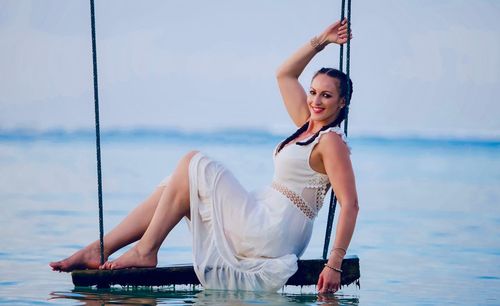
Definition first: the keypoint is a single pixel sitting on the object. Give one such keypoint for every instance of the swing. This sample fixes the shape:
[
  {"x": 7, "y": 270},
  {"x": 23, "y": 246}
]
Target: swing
[{"x": 308, "y": 270}]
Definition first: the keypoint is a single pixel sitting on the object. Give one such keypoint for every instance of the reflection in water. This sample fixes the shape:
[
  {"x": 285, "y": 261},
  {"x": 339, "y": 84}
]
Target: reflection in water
[
  {"x": 129, "y": 296},
  {"x": 190, "y": 295}
]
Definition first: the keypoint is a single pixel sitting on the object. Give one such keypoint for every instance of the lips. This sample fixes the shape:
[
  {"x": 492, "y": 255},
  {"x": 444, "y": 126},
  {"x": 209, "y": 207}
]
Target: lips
[{"x": 317, "y": 110}]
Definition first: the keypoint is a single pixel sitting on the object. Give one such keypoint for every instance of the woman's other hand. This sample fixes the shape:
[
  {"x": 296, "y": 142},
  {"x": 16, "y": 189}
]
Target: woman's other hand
[{"x": 329, "y": 281}]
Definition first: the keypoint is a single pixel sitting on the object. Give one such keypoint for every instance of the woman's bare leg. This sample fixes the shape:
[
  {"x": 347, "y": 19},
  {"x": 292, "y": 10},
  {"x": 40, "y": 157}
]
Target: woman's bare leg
[
  {"x": 129, "y": 230},
  {"x": 173, "y": 205}
]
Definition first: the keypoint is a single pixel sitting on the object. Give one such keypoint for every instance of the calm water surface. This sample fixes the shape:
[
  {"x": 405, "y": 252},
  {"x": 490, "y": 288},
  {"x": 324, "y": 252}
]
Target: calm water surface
[{"x": 428, "y": 231}]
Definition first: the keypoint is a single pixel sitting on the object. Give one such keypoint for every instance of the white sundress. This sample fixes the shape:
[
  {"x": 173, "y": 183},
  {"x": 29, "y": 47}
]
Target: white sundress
[{"x": 252, "y": 240}]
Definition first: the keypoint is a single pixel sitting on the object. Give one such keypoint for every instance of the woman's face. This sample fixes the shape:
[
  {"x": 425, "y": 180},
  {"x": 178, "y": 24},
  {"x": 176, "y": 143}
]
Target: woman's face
[{"x": 324, "y": 99}]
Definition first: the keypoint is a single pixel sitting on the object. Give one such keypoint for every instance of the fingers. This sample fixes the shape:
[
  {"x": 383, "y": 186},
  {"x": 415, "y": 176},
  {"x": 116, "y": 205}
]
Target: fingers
[
  {"x": 320, "y": 283},
  {"x": 343, "y": 30},
  {"x": 342, "y": 22},
  {"x": 342, "y": 33},
  {"x": 329, "y": 289},
  {"x": 339, "y": 24},
  {"x": 328, "y": 283},
  {"x": 343, "y": 39},
  {"x": 344, "y": 36}
]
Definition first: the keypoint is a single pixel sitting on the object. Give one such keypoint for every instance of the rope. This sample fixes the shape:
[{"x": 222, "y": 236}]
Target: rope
[
  {"x": 348, "y": 65},
  {"x": 97, "y": 132},
  {"x": 341, "y": 53},
  {"x": 333, "y": 198}
]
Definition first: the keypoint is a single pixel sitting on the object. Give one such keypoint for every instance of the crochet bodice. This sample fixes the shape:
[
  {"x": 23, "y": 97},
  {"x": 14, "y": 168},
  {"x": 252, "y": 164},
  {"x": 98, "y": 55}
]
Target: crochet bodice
[{"x": 295, "y": 179}]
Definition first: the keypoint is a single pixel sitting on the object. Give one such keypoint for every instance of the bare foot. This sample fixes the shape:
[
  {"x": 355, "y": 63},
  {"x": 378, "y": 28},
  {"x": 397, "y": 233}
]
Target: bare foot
[
  {"x": 133, "y": 258},
  {"x": 87, "y": 258}
]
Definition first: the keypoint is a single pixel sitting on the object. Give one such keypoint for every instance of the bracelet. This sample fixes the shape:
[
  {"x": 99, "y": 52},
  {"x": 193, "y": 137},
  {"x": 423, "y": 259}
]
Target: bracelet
[
  {"x": 316, "y": 44},
  {"x": 333, "y": 268}
]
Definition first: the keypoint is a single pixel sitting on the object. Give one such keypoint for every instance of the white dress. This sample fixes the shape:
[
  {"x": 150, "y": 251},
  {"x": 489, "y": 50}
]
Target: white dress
[{"x": 251, "y": 240}]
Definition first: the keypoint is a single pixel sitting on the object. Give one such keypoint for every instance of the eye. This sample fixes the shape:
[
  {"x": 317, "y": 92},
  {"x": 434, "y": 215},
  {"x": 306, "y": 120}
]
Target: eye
[
  {"x": 312, "y": 92},
  {"x": 327, "y": 95}
]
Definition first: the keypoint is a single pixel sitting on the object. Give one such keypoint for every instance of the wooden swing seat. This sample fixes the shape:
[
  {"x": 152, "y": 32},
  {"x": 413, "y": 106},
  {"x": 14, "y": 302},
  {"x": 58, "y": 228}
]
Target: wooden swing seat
[{"x": 307, "y": 274}]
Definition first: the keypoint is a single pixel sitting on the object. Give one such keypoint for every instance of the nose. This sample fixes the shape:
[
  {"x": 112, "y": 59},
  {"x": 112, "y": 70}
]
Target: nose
[{"x": 316, "y": 100}]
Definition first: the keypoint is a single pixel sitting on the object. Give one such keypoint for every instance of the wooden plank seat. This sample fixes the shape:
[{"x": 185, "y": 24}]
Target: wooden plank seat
[{"x": 307, "y": 274}]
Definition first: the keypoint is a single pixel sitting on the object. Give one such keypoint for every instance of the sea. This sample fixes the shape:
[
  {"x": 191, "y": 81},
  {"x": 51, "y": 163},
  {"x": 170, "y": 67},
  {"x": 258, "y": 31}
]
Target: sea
[{"x": 427, "y": 233}]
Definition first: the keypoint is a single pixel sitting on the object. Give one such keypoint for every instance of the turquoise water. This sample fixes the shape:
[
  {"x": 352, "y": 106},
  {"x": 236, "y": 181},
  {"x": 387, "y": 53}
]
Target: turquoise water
[{"x": 428, "y": 230}]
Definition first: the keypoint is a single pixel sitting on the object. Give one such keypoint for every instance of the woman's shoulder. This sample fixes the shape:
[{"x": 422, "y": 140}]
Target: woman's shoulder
[{"x": 333, "y": 139}]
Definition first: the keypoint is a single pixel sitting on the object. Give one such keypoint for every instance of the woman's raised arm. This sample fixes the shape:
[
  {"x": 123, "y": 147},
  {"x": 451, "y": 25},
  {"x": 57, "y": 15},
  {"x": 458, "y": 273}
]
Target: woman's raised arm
[{"x": 288, "y": 73}]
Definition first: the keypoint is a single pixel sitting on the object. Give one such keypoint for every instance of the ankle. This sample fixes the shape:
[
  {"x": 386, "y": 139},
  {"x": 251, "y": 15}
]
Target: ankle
[
  {"x": 146, "y": 251},
  {"x": 95, "y": 248}
]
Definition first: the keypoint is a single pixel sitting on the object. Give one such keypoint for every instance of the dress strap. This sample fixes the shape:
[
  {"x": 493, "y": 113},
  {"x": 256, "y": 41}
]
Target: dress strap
[{"x": 334, "y": 129}]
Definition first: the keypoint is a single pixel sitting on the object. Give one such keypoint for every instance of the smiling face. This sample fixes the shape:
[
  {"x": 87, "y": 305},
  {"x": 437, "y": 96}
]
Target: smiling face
[{"x": 324, "y": 99}]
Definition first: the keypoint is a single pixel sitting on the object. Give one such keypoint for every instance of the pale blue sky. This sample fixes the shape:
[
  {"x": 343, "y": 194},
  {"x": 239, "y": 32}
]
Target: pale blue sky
[{"x": 419, "y": 67}]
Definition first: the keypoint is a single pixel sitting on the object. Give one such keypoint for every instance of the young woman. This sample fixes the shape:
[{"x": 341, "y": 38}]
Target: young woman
[{"x": 252, "y": 240}]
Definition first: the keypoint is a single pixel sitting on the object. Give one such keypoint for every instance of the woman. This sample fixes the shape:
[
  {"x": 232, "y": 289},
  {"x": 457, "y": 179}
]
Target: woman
[{"x": 251, "y": 241}]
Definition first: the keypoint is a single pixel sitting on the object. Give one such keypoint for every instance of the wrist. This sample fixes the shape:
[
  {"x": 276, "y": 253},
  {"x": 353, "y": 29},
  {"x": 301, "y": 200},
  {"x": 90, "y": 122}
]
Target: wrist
[
  {"x": 319, "y": 42},
  {"x": 323, "y": 38},
  {"x": 336, "y": 256},
  {"x": 338, "y": 252},
  {"x": 334, "y": 261},
  {"x": 334, "y": 268}
]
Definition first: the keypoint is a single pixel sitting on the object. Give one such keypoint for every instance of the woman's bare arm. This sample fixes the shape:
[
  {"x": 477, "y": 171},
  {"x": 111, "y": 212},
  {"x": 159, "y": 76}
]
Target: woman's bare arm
[
  {"x": 337, "y": 163},
  {"x": 293, "y": 94}
]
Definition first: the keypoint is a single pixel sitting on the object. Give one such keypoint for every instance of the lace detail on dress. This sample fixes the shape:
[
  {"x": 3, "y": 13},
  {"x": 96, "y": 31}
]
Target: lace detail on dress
[
  {"x": 295, "y": 198},
  {"x": 319, "y": 185},
  {"x": 318, "y": 181}
]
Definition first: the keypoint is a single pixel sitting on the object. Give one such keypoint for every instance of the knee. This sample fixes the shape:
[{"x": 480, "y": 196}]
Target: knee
[
  {"x": 190, "y": 154},
  {"x": 187, "y": 157},
  {"x": 181, "y": 181},
  {"x": 183, "y": 164}
]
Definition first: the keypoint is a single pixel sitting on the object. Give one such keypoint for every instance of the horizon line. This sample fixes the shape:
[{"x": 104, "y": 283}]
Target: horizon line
[{"x": 226, "y": 134}]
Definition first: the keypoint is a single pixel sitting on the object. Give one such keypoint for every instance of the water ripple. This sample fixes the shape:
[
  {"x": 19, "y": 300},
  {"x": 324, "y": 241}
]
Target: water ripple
[
  {"x": 488, "y": 277},
  {"x": 8, "y": 283}
]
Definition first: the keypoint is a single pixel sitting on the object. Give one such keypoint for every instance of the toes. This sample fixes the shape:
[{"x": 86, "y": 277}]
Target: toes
[
  {"x": 108, "y": 265},
  {"x": 111, "y": 265},
  {"x": 58, "y": 266},
  {"x": 55, "y": 264}
]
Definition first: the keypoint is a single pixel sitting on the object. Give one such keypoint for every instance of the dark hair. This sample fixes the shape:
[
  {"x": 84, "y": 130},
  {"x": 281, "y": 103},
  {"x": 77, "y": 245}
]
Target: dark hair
[{"x": 345, "y": 86}]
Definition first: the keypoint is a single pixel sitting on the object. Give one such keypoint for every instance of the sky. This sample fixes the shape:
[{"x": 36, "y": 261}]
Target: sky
[{"x": 419, "y": 67}]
